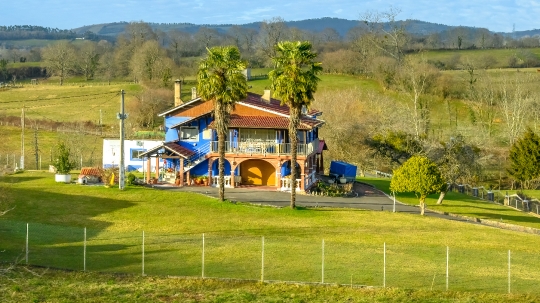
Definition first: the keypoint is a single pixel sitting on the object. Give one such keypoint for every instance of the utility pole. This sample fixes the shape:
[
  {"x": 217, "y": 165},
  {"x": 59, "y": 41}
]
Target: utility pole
[
  {"x": 100, "y": 122},
  {"x": 22, "y": 138},
  {"x": 36, "y": 147},
  {"x": 121, "y": 116}
]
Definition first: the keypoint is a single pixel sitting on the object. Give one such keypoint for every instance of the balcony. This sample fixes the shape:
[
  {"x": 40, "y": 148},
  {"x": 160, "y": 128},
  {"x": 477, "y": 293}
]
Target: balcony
[{"x": 254, "y": 147}]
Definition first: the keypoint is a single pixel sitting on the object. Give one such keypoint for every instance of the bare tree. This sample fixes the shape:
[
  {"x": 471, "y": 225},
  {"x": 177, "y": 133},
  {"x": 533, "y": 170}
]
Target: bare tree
[
  {"x": 272, "y": 31},
  {"x": 106, "y": 68},
  {"x": 88, "y": 59},
  {"x": 144, "y": 107},
  {"x": 515, "y": 102},
  {"x": 139, "y": 32},
  {"x": 386, "y": 34},
  {"x": 206, "y": 37},
  {"x": 415, "y": 79},
  {"x": 60, "y": 59},
  {"x": 148, "y": 63}
]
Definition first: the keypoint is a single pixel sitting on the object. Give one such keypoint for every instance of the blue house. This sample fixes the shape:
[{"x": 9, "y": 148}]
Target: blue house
[{"x": 258, "y": 151}]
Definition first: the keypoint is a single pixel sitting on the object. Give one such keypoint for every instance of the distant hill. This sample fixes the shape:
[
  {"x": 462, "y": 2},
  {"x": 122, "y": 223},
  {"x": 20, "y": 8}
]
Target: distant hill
[
  {"x": 110, "y": 31},
  {"x": 342, "y": 26}
]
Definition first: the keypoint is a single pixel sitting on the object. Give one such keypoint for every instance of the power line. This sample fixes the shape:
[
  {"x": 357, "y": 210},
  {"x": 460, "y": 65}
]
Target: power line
[
  {"x": 54, "y": 104},
  {"x": 56, "y": 98},
  {"x": 77, "y": 113}
]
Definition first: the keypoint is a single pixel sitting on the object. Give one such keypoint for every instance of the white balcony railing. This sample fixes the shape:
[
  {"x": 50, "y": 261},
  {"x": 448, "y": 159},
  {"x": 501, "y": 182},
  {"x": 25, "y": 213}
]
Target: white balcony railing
[
  {"x": 286, "y": 184},
  {"x": 227, "y": 180},
  {"x": 265, "y": 148}
]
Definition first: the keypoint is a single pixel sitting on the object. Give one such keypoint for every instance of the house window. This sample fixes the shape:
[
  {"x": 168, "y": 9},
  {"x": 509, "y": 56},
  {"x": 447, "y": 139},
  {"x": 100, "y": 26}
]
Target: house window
[
  {"x": 189, "y": 133},
  {"x": 134, "y": 154}
]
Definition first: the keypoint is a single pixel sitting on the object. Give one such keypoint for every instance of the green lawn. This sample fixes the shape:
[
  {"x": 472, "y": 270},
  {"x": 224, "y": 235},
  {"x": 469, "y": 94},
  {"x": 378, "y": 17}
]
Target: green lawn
[
  {"x": 465, "y": 205},
  {"x": 58, "y": 286},
  {"x": 174, "y": 224}
]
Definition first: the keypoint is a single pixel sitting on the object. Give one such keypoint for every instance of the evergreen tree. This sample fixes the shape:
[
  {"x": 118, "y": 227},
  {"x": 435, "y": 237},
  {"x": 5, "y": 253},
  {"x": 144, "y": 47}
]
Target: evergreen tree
[{"x": 525, "y": 159}]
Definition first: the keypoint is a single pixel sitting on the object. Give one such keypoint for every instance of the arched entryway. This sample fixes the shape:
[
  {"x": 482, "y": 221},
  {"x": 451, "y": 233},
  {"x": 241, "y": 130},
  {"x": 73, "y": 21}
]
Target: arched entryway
[
  {"x": 286, "y": 169},
  {"x": 258, "y": 172},
  {"x": 215, "y": 167}
]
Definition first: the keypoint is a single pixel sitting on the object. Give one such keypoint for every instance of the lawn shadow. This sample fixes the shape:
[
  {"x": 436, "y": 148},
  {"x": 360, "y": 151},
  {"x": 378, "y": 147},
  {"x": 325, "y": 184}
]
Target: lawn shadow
[{"x": 8, "y": 180}]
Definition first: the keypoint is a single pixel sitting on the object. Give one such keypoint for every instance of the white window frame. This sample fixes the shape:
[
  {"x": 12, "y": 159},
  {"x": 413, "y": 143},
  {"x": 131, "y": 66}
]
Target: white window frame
[{"x": 191, "y": 138}]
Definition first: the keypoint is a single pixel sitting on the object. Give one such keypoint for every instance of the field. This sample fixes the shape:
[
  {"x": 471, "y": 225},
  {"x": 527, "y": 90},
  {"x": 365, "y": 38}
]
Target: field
[
  {"x": 174, "y": 223},
  {"x": 501, "y": 56}
]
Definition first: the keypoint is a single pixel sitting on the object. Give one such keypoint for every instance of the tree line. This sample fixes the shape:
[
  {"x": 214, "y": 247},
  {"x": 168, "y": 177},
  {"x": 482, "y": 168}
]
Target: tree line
[{"x": 23, "y": 32}]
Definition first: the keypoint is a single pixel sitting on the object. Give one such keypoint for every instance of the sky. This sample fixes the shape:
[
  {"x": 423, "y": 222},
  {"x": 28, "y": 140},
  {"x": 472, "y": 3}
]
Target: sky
[{"x": 495, "y": 15}]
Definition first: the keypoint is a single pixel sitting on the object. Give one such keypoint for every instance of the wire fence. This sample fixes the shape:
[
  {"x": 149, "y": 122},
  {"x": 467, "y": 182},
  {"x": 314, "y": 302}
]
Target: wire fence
[
  {"x": 499, "y": 196},
  {"x": 341, "y": 260},
  {"x": 14, "y": 161},
  {"x": 503, "y": 197}
]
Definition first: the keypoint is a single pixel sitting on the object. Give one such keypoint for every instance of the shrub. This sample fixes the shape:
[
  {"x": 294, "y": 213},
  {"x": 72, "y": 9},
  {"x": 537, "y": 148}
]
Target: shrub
[
  {"x": 131, "y": 179},
  {"x": 63, "y": 163}
]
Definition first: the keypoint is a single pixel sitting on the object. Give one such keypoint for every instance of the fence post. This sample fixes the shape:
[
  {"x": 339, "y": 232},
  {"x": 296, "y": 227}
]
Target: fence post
[
  {"x": 203, "y": 256},
  {"x": 322, "y": 263},
  {"x": 447, "y": 263},
  {"x": 26, "y": 255},
  {"x": 384, "y": 266},
  {"x": 143, "y": 253},
  {"x": 509, "y": 271},
  {"x": 84, "y": 251},
  {"x": 262, "y": 261}
]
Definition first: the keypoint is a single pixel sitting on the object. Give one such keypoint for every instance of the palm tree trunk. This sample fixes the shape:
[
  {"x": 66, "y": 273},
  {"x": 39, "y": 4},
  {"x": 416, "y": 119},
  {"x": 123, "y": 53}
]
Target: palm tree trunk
[
  {"x": 294, "y": 120},
  {"x": 221, "y": 129},
  {"x": 221, "y": 151}
]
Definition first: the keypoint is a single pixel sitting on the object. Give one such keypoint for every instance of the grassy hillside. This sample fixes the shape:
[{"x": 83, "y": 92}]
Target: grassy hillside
[
  {"x": 478, "y": 56},
  {"x": 174, "y": 222}
]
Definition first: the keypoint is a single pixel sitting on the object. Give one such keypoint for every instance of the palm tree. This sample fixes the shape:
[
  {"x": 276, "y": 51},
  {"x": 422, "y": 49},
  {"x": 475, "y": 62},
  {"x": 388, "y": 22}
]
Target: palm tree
[
  {"x": 221, "y": 81},
  {"x": 294, "y": 81}
]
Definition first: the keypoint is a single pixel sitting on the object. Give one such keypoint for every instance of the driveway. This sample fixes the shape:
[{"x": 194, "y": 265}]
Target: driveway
[{"x": 367, "y": 199}]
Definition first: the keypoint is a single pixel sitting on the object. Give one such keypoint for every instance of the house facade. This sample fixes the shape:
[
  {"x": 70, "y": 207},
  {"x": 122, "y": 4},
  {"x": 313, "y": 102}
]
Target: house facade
[
  {"x": 132, "y": 150},
  {"x": 258, "y": 149}
]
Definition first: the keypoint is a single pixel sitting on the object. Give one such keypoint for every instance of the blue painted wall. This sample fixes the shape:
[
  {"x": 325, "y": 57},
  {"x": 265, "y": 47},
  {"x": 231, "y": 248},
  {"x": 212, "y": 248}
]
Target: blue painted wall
[{"x": 172, "y": 134}]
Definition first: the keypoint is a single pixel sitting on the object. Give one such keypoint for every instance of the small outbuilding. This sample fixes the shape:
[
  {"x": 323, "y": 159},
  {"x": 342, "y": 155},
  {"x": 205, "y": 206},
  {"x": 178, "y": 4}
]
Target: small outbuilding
[{"x": 89, "y": 175}]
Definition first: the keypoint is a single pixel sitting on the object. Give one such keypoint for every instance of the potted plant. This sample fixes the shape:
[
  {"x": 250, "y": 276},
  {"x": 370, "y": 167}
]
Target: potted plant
[
  {"x": 205, "y": 180},
  {"x": 63, "y": 164}
]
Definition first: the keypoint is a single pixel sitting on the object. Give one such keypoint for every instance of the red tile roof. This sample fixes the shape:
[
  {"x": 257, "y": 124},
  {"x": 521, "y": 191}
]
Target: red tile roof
[
  {"x": 272, "y": 105},
  {"x": 252, "y": 99},
  {"x": 172, "y": 147},
  {"x": 268, "y": 122},
  {"x": 90, "y": 171},
  {"x": 178, "y": 149}
]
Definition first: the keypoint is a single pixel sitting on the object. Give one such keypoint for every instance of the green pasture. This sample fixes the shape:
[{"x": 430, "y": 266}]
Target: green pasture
[
  {"x": 476, "y": 56},
  {"x": 174, "y": 223},
  {"x": 88, "y": 146},
  {"x": 67, "y": 103},
  {"x": 461, "y": 204}
]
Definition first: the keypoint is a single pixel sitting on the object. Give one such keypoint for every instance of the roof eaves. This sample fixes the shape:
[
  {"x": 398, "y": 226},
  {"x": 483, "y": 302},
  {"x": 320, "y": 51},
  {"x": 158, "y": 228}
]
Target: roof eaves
[
  {"x": 262, "y": 109},
  {"x": 189, "y": 120},
  {"x": 179, "y": 107}
]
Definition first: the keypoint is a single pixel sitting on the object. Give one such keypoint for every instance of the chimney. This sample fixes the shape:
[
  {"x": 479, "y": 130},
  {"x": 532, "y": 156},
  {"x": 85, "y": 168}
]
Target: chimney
[
  {"x": 266, "y": 96},
  {"x": 177, "y": 90},
  {"x": 193, "y": 93}
]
